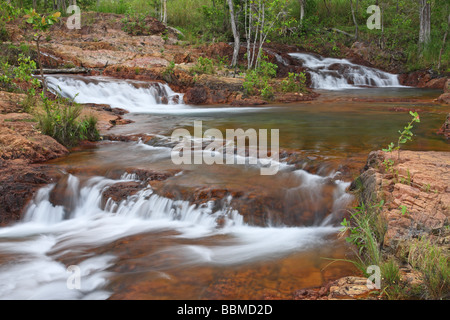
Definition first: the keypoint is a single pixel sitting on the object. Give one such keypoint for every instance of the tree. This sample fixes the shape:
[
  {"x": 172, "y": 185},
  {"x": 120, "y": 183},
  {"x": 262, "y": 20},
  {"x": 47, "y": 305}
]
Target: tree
[
  {"x": 40, "y": 24},
  {"x": 443, "y": 43},
  {"x": 302, "y": 11},
  {"x": 237, "y": 42},
  {"x": 261, "y": 18},
  {"x": 354, "y": 19},
  {"x": 164, "y": 17},
  {"x": 425, "y": 22}
]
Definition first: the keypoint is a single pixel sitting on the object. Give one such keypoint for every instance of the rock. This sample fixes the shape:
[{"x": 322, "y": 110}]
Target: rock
[
  {"x": 444, "y": 98},
  {"x": 18, "y": 183},
  {"x": 350, "y": 288},
  {"x": 248, "y": 102},
  {"x": 445, "y": 129},
  {"x": 196, "y": 96},
  {"x": 437, "y": 83},
  {"x": 122, "y": 190},
  {"x": 182, "y": 57},
  {"x": 421, "y": 187},
  {"x": 20, "y": 140}
]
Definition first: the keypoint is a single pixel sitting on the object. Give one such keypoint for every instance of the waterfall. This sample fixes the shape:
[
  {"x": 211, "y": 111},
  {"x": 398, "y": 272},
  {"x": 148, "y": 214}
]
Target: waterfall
[
  {"x": 83, "y": 220},
  {"x": 337, "y": 74},
  {"x": 133, "y": 96}
]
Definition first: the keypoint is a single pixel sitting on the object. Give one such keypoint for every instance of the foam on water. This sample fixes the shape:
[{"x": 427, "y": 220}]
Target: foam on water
[
  {"x": 133, "y": 96},
  {"x": 338, "y": 74},
  {"x": 48, "y": 232}
]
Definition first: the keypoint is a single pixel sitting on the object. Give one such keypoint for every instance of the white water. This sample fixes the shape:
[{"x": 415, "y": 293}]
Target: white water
[
  {"x": 133, "y": 96},
  {"x": 338, "y": 74},
  {"x": 32, "y": 252},
  {"x": 34, "y": 247}
]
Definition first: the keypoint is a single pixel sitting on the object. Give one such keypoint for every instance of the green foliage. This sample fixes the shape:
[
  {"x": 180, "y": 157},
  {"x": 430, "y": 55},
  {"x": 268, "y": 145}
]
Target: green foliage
[
  {"x": 366, "y": 229},
  {"x": 257, "y": 81},
  {"x": 60, "y": 119},
  {"x": 137, "y": 24},
  {"x": 9, "y": 76},
  {"x": 405, "y": 136},
  {"x": 41, "y": 22},
  {"x": 7, "y": 13},
  {"x": 117, "y": 7},
  {"x": 295, "y": 82},
  {"x": 169, "y": 69},
  {"x": 433, "y": 262},
  {"x": 203, "y": 66}
]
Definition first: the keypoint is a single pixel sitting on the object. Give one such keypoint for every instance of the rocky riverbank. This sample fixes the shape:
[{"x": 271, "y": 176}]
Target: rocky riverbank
[
  {"x": 102, "y": 47},
  {"x": 23, "y": 149},
  {"x": 416, "y": 208}
]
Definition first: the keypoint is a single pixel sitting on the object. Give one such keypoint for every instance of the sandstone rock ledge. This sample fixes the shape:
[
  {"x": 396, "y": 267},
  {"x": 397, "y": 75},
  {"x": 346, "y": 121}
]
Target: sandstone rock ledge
[
  {"x": 23, "y": 149},
  {"x": 420, "y": 182}
]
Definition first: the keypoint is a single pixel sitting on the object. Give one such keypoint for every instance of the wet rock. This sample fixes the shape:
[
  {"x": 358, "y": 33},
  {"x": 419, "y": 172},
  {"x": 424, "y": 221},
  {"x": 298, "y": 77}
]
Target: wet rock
[
  {"x": 18, "y": 183},
  {"x": 445, "y": 129},
  {"x": 121, "y": 191},
  {"x": 422, "y": 79},
  {"x": 296, "y": 97},
  {"x": 248, "y": 102},
  {"x": 445, "y": 97},
  {"x": 196, "y": 96},
  {"x": 144, "y": 138},
  {"x": 436, "y": 83}
]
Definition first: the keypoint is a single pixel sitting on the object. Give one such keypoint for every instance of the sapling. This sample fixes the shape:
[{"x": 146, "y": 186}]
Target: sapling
[
  {"x": 40, "y": 24},
  {"x": 405, "y": 136}
]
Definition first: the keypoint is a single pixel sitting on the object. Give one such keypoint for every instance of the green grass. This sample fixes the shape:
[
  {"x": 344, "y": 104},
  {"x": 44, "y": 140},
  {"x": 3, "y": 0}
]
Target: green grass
[
  {"x": 61, "y": 119},
  {"x": 433, "y": 262}
]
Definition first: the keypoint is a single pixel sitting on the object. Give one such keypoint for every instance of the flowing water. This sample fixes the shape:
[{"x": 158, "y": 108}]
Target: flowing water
[
  {"x": 337, "y": 74},
  {"x": 273, "y": 238}
]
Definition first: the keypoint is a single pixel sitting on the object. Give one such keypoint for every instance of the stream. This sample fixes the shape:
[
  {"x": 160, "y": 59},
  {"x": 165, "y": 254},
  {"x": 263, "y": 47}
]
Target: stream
[{"x": 279, "y": 235}]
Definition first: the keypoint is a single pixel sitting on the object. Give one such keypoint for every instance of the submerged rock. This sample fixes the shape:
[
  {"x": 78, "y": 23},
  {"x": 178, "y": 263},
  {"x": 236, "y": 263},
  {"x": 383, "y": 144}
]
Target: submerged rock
[{"x": 445, "y": 129}]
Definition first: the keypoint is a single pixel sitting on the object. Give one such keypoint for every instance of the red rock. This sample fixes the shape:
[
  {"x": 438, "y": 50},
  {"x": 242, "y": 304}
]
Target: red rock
[
  {"x": 445, "y": 129},
  {"x": 196, "y": 96}
]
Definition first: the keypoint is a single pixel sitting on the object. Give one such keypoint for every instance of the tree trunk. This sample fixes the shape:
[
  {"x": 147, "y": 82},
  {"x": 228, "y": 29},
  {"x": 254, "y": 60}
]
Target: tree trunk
[
  {"x": 237, "y": 42},
  {"x": 326, "y": 6},
  {"x": 354, "y": 20},
  {"x": 425, "y": 22},
  {"x": 165, "y": 11},
  {"x": 302, "y": 11},
  {"x": 443, "y": 44},
  {"x": 44, "y": 84}
]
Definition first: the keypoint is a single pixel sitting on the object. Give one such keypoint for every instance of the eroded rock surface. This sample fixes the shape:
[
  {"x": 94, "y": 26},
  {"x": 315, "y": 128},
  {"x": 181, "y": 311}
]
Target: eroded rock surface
[{"x": 416, "y": 193}]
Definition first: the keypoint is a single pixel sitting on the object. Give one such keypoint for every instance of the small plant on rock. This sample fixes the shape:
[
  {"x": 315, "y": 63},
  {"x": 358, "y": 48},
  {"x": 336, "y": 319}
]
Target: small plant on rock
[
  {"x": 40, "y": 24},
  {"x": 405, "y": 136}
]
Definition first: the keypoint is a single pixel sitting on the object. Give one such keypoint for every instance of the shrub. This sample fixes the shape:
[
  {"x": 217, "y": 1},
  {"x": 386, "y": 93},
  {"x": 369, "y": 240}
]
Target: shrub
[
  {"x": 366, "y": 231},
  {"x": 60, "y": 119},
  {"x": 258, "y": 80},
  {"x": 295, "y": 82},
  {"x": 203, "y": 66},
  {"x": 432, "y": 261}
]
